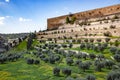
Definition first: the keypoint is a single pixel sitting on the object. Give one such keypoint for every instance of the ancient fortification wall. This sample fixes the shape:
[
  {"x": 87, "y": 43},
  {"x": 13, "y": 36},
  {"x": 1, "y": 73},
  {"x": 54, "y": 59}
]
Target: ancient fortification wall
[{"x": 54, "y": 23}]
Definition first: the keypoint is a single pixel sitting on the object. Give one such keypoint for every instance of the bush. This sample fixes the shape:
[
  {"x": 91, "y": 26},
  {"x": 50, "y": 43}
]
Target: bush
[
  {"x": 117, "y": 52},
  {"x": 3, "y": 59},
  {"x": 78, "y": 62},
  {"x": 109, "y": 64},
  {"x": 116, "y": 67},
  {"x": 36, "y": 61},
  {"x": 90, "y": 77},
  {"x": 79, "y": 40},
  {"x": 30, "y": 61},
  {"x": 108, "y": 34},
  {"x": 105, "y": 45},
  {"x": 99, "y": 65},
  {"x": 70, "y": 45},
  {"x": 64, "y": 45},
  {"x": 117, "y": 57},
  {"x": 114, "y": 75},
  {"x": 82, "y": 46},
  {"x": 69, "y": 61},
  {"x": 52, "y": 59},
  {"x": 66, "y": 71},
  {"x": 113, "y": 50},
  {"x": 116, "y": 43},
  {"x": 88, "y": 46},
  {"x": 57, "y": 57},
  {"x": 56, "y": 71},
  {"x": 95, "y": 48},
  {"x": 92, "y": 56},
  {"x": 92, "y": 40},
  {"x": 86, "y": 40},
  {"x": 84, "y": 55},
  {"x": 100, "y": 57},
  {"x": 100, "y": 48},
  {"x": 107, "y": 39},
  {"x": 84, "y": 66},
  {"x": 45, "y": 59},
  {"x": 98, "y": 40}
]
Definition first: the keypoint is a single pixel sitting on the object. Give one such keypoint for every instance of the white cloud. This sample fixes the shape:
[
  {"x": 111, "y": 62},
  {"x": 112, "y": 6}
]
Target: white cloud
[
  {"x": 8, "y": 16},
  {"x": 24, "y": 20},
  {"x": 2, "y": 20},
  {"x": 7, "y": 0}
]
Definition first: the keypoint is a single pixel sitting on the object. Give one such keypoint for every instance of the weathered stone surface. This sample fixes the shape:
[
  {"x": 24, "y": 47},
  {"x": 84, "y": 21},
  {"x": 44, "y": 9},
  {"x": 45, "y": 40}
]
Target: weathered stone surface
[{"x": 54, "y": 23}]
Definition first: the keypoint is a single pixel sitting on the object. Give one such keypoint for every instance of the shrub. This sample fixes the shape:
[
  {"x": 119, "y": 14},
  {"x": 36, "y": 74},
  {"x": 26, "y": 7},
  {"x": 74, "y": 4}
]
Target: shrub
[
  {"x": 56, "y": 71},
  {"x": 116, "y": 67},
  {"x": 3, "y": 59},
  {"x": 70, "y": 45},
  {"x": 107, "y": 39},
  {"x": 52, "y": 59},
  {"x": 88, "y": 46},
  {"x": 109, "y": 64},
  {"x": 45, "y": 59},
  {"x": 117, "y": 52},
  {"x": 112, "y": 26},
  {"x": 78, "y": 62},
  {"x": 99, "y": 65},
  {"x": 82, "y": 46},
  {"x": 90, "y": 77},
  {"x": 30, "y": 61},
  {"x": 69, "y": 61},
  {"x": 95, "y": 48},
  {"x": 86, "y": 40},
  {"x": 100, "y": 48},
  {"x": 105, "y": 45},
  {"x": 66, "y": 71},
  {"x": 100, "y": 57},
  {"x": 114, "y": 75},
  {"x": 79, "y": 55},
  {"x": 92, "y": 40},
  {"x": 116, "y": 43},
  {"x": 73, "y": 40},
  {"x": 92, "y": 56},
  {"x": 113, "y": 50},
  {"x": 57, "y": 57},
  {"x": 79, "y": 40},
  {"x": 84, "y": 55},
  {"x": 84, "y": 66},
  {"x": 98, "y": 40},
  {"x": 36, "y": 61},
  {"x": 64, "y": 45},
  {"x": 42, "y": 56},
  {"x": 108, "y": 34},
  {"x": 117, "y": 57}
]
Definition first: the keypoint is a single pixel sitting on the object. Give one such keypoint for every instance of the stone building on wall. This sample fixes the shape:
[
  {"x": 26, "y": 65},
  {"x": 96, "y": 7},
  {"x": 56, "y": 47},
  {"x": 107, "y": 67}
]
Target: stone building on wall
[
  {"x": 98, "y": 23},
  {"x": 54, "y": 23}
]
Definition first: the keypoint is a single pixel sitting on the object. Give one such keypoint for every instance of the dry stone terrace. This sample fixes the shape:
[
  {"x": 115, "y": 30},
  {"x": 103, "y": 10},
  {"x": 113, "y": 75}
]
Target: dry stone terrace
[{"x": 95, "y": 30}]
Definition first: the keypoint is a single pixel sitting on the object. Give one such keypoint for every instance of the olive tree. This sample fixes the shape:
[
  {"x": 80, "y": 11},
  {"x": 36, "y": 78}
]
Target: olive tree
[{"x": 56, "y": 71}]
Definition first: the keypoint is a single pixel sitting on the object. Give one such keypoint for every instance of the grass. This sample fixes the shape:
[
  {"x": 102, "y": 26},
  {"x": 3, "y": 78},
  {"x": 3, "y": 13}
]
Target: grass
[
  {"x": 21, "y": 47},
  {"x": 20, "y": 70}
]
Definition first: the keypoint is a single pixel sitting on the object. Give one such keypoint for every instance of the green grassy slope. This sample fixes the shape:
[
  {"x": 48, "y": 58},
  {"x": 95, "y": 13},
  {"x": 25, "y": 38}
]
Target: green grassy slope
[{"x": 20, "y": 70}]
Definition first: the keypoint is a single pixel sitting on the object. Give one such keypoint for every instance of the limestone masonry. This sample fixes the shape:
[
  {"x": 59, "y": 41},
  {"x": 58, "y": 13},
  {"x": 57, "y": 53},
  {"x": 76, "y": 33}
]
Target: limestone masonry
[
  {"x": 54, "y": 23},
  {"x": 94, "y": 24}
]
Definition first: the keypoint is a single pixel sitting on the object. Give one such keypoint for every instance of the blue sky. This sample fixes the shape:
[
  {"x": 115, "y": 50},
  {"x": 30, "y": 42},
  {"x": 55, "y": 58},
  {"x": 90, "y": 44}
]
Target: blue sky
[{"x": 29, "y": 15}]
